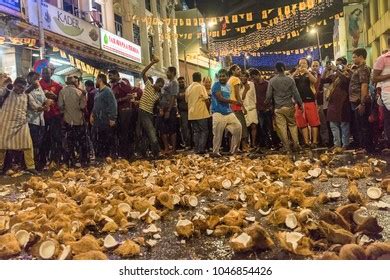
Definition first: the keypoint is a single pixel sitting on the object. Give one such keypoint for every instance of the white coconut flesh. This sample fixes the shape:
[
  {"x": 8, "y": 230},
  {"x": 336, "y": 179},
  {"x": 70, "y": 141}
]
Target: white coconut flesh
[
  {"x": 316, "y": 172},
  {"x": 47, "y": 249},
  {"x": 66, "y": 251},
  {"x": 291, "y": 221},
  {"x": 124, "y": 207},
  {"x": 226, "y": 184},
  {"x": 243, "y": 240},
  {"x": 265, "y": 213},
  {"x": 154, "y": 216},
  {"x": 293, "y": 238},
  {"x": 23, "y": 237},
  {"x": 151, "y": 229},
  {"x": 333, "y": 195},
  {"x": 176, "y": 199},
  {"x": 374, "y": 193},
  {"x": 360, "y": 216},
  {"x": 193, "y": 201},
  {"x": 110, "y": 242}
]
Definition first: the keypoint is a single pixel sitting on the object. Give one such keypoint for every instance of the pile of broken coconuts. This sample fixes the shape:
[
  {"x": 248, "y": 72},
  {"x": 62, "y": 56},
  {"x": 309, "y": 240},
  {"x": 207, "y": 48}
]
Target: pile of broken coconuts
[{"x": 66, "y": 215}]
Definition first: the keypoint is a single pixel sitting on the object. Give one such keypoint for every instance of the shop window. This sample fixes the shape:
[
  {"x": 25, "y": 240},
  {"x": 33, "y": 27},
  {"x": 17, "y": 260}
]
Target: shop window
[
  {"x": 71, "y": 6},
  {"x": 118, "y": 25},
  {"x": 148, "y": 5},
  {"x": 97, "y": 12},
  {"x": 137, "y": 34}
]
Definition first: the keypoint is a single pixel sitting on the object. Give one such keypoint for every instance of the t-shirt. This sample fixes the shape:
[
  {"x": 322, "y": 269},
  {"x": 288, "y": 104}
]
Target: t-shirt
[
  {"x": 304, "y": 87},
  {"x": 196, "y": 96},
  {"x": 217, "y": 106},
  {"x": 37, "y": 97},
  {"x": 233, "y": 81},
  {"x": 149, "y": 98},
  {"x": 383, "y": 64},
  {"x": 170, "y": 90},
  {"x": 55, "y": 88}
]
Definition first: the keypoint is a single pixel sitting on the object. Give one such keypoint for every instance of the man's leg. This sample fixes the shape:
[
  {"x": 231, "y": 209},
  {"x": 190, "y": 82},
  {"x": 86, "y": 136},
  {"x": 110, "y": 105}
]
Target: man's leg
[
  {"x": 2, "y": 159},
  {"x": 235, "y": 128},
  {"x": 185, "y": 128},
  {"x": 196, "y": 129},
  {"x": 148, "y": 127},
  {"x": 219, "y": 124},
  {"x": 336, "y": 133},
  {"x": 204, "y": 133},
  {"x": 289, "y": 114},
  {"x": 124, "y": 133},
  {"x": 324, "y": 133},
  {"x": 281, "y": 124},
  {"x": 345, "y": 133},
  {"x": 29, "y": 158}
]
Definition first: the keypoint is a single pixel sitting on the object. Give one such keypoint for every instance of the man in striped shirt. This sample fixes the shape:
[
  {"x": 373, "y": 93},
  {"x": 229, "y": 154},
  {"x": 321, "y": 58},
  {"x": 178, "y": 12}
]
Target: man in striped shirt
[{"x": 145, "y": 115}]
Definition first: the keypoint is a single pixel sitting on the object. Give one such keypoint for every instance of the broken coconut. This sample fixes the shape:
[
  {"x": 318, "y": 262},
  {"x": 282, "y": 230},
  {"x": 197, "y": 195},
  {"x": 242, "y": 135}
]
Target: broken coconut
[
  {"x": 23, "y": 237},
  {"x": 374, "y": 193},
  {"x": 166, "y": 200},
  {"x": 185, "y": 228},
  {"x": 47, "y": 249},
  {"x": 291, "y": 221},
  {"x": 128, "y": 249},
  {"x": 315, "y": 173},
  {"x": 333, "y": 195},
  {"x": 226, "y": 184},
  {"x": 241, "y": 243},
  {"x": 360, "y": 216},
  {"x": 189, "y": 201},
  {"x": 110, "y": 242},
  {"x": 66, "y": 252}
]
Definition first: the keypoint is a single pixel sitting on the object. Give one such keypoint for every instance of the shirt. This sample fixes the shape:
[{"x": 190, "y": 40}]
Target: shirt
[
  {"x": 105, "y": 108},
  {"x": 36, "y": 99},
  {"x": 55, "y": 88},
  {"x": 72, "y": 102},
  {"x": 182, "y": 105},
  {"x": 149, "y": 98},
  {"x": 90, "y": 101},
  {"x": 196, "y": 96},
  {"x": 121, "y": 89},
  {"x": 233, "y": 81},
  {"x": 170, "y": 90},
  {"x": 217, "y": 106},
  {"x": 261, "y": 93},
  {"x": 250, "y": 98},
  {"x": 283, "y": 89},
  {"x": 383, "y": 64},
  {"x": 361, "y": 75}
]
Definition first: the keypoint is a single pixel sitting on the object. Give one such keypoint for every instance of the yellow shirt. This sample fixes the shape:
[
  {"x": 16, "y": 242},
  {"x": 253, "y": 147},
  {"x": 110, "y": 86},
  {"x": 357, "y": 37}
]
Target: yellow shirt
[
  {"x": 233, "y": 81},
  {"x": 196, "y": 96}
]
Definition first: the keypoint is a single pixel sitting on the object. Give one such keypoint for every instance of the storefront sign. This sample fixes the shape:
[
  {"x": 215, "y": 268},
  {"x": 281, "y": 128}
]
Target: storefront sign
[
  {"x": 11, "y": 7},
  {"x": 31, "y": 42},
  {"x": 119, "y": 46},
  {"x": 64, "y": 23},
  {"x": 79, "y": 64},
  {"x": 356, "y": 35}
]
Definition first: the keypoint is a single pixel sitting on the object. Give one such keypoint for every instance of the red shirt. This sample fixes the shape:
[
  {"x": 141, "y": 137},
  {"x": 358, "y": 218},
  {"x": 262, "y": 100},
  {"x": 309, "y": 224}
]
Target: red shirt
[
  {"x": 55, "y": 88},
  {"x": 261, "y": 92},
  {"x": 121, "y": 89}
]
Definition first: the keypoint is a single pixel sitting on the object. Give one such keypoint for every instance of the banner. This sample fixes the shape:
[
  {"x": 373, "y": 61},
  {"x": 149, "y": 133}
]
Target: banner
[
  {"x": 354, "y": 26},
  {"x": 11, "y": 7},
  {"x": 30, "y": 42},
  {"x": 63, "y": 23}
]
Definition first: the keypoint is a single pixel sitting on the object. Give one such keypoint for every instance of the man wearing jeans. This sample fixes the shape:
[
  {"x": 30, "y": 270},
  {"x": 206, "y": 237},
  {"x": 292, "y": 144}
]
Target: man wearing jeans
[
  {"x": 223, "y": 116},
  {"x": 145, "y": 124},
  {"x": 282, "y": 90},
  {"x": 381, "y": 76},
  {"x": 198, "y": 99}
]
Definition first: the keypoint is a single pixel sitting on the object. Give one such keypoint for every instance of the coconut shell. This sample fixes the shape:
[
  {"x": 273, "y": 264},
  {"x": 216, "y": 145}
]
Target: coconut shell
[
  {"x": 352, "y": 252},
  {"x": 241, "y": 243},
  {"x": 279, "y": 216},
  {"x": 166, "y": 200},
  {"x": 185, "y": 228},
  {"x": 91, "y": 255},
  {"x": 346, "y": 211},
  {"x": 212, "y": 221},
  {"x": 303, "y": 246},
  {"x": 354, "y": 195},
  {"x": 370, "y": 227},
  {"x": 224, "y": 230},
  {"x": 327, "y": 256},
  {"x": 220, "y": 210},
  {"x": 335, "y": 218},
  {"x": 128, "y": 249},
  {"x": 9, "y": 246},
  {"x": 110, "y": 227}
]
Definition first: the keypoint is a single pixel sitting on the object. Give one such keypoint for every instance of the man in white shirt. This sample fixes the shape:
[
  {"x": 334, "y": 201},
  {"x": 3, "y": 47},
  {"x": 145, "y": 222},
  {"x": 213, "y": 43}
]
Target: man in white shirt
[{"x": 198, "y": 113}]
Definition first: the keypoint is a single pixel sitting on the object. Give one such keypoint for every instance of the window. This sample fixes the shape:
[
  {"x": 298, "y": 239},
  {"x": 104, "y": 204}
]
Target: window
[
  {"x": 148, "y": 5},
  {"x": 159, "y": 7},
  {"x": 137, "y": 34},
  {"x": 97, "y": 12},
  {"x": 71, "y": 6},
  {"x": 118, "y": 25}
]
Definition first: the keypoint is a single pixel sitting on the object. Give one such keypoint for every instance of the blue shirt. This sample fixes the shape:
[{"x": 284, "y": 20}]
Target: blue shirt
[{"x": 217, "y": 106}]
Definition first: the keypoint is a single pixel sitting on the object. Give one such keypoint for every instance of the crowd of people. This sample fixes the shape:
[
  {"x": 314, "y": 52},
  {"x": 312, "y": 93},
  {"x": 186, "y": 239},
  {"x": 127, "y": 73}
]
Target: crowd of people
[{"x": 306, "y": 107}]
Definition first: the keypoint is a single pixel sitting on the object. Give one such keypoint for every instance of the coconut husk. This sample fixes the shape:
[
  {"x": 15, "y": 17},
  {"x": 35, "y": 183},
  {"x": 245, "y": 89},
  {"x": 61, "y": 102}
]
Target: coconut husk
[
  {"x": 279, "y": 216},
  {"x": 110, "y": 227},
  {"x": 92, "y": 255},
  {"x": 85, "y": 244},
  {"x": 224, "y": 230},
  {"x": 128, "y": 249},
  {"x": 241, "y": 243},
  {"x": 9, "y": 246},
  {"x": 354, "y": 195},
  {"x": 335, "y": 234},
  {"x": 212, "y": 221},
  {"x": 346, "y": 211},
  {"x": 260, "y": 237},
  {"x": 302, "y": 247},
  {"x": 378, "y": 251},
  {"x": 220, "y": 210},
  {"x": 185, "y": 228},
  {"x": 352, "y": 252},
  {"x": 327, "y": 256},
  {"x": 335, "y": 218},
  {"x": 233, "y": 218},
  {"x": 166, "y": 200}
]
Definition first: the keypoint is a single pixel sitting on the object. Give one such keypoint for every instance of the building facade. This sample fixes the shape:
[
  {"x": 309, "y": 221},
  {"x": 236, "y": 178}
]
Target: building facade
[{"x": 92, "y": 35}]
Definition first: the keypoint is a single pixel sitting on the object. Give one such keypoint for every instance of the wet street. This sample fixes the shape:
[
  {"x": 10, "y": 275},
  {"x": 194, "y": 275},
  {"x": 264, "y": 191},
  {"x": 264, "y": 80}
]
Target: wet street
[{"x": 204, "y": 244}]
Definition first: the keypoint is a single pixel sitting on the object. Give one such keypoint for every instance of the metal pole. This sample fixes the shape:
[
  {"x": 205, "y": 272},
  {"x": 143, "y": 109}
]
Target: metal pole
[
  {"x": 319, "y": 46},
  {"x": 185, "y": 66},
  {"x": 244, "y": 62},
  {"x": 41, "y": 31}
]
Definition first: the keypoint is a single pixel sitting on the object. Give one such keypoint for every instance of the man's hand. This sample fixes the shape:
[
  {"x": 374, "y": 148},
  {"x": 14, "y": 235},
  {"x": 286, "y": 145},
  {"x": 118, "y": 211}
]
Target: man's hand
[
  {"x": 92, "y": 119},
  {"x": 111, "y": 123},
  {"x": 154, "y": 59},
  {"x": 361, "y": 109}
]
